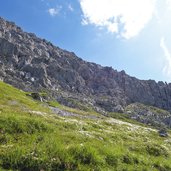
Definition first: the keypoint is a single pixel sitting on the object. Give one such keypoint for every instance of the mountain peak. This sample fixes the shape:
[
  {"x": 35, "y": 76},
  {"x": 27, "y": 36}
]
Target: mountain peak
[{"x": 34, "y": 64}]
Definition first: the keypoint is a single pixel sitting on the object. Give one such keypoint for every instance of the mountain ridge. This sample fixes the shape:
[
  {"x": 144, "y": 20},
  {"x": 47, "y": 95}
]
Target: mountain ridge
[{"x": 38, "y": 65}]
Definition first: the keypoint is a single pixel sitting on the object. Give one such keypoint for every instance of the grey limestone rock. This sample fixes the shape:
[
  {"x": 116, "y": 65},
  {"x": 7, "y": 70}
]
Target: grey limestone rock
[{"x": 33, "y": 64}]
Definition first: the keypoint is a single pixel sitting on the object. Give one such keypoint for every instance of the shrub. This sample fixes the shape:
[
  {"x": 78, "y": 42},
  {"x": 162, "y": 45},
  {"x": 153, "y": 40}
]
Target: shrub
[
  {"x": 85, "y": 155},
  {"x": 156, "y": 150},
  {"x": 112, "y": 160}
]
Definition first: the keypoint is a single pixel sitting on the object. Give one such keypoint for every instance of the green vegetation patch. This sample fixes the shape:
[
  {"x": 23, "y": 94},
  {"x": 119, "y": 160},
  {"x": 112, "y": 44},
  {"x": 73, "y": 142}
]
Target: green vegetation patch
[
  {"x": 73, "y": 110},
  {"x": 40, "y": 140}
]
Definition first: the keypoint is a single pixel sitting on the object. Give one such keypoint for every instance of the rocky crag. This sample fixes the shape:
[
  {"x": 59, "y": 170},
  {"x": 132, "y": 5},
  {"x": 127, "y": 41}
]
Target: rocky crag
[{"x": 33, "y": 64}]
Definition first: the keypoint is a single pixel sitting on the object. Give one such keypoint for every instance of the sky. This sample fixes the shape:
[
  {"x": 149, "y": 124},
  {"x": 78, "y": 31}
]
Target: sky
[{"x": 133, "y": 35}]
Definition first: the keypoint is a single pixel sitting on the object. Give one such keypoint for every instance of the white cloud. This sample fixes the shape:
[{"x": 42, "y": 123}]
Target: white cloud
[
  {"x": 168, "y": 2},
  {"x": 84, "y": 22},
  {"x": 54, "y": 11},
  {"x": 70, "y": 8},
  {"x": 124, "y": 17},
  {"x": 167, "y": 58}
]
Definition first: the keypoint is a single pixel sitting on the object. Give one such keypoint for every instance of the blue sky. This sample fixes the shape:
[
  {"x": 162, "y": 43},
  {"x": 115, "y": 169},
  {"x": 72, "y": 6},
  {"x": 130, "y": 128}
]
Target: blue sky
[{"x": 129, "y": 35}]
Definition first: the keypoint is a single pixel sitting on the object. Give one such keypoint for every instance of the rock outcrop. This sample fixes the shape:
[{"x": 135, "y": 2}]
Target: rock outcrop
[
  {"x": 149, "y": 115},
  {"x": 34, "y": 64}
]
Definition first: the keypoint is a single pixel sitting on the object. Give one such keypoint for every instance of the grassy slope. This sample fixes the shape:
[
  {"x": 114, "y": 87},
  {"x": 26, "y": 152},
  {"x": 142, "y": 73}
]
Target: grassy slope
[
  {"x": 73, "y": 110},
  {"x": 32, "y": 138}
]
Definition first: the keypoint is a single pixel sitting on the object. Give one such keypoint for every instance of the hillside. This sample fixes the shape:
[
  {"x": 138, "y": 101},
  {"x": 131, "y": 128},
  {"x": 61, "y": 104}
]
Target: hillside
[
  {"x": 37, "y": 65},
  {"x": 59, "y": 112},
  {"x": 33, "y": 137}
]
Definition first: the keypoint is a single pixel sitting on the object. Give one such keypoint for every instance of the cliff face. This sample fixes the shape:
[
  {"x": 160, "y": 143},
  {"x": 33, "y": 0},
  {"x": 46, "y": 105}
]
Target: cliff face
[{"x": 32, "y": 64}]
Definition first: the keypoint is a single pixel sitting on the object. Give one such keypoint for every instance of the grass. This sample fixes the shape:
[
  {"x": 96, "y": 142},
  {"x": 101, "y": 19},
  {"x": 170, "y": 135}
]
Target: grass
[
  {"x": 124, "y": 117},
  {"x": 17, "y": 100},
  {"x": 73, "y": 110},
  {"x": 32, "y": 141}
]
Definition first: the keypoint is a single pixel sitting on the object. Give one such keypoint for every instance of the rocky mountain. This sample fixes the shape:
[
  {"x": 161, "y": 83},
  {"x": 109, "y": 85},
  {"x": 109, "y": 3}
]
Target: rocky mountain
[{"x": 34, "y": 64}]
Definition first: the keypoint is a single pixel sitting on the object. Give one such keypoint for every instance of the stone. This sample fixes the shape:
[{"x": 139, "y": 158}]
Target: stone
[
  {"x": 36, "y": 96},
  {"x": 37, "y": 64},
  {"x": 163, "y": 133}
]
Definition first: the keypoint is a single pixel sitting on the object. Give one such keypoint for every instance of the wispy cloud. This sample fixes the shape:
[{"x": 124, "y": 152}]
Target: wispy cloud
[
  {"x": 54, "y": 11},
  {"x": 70, "y": 7},
  {"x": 126, "y": 18},
  {"x": 167, "y": 58},
  {"x": 168, "y": 2}
]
